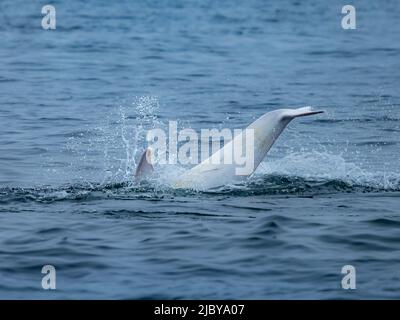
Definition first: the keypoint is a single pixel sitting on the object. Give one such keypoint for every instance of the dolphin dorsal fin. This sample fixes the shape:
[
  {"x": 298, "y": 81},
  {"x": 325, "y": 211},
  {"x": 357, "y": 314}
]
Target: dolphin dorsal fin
[{"x": 144, "y": 168}]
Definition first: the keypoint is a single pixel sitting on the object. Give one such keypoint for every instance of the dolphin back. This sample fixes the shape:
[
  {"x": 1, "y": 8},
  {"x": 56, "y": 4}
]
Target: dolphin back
[{"x": 266, "y": 129}]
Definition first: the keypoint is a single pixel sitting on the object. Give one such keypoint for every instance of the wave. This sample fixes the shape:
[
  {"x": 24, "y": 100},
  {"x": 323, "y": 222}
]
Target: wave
[{"x": 270, "y": 185}]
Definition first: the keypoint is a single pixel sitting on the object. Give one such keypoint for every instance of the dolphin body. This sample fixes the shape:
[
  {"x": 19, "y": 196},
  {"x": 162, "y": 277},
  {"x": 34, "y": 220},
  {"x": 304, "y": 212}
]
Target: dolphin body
[{"x": 212, "y": 173}]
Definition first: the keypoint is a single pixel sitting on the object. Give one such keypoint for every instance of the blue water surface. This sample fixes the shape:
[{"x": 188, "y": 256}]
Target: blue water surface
[{"x": 77, "y": 101}]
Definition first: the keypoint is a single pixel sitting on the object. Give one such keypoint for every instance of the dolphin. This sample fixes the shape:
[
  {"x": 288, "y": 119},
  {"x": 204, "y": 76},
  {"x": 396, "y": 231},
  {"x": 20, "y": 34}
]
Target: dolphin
[{"x": 211, "y": 173}]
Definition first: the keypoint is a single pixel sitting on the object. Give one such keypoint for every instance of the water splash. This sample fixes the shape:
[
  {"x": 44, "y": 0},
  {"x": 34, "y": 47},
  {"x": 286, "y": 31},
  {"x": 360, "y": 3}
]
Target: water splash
[
  {"x": 325, "y": 166},
  {"x": 107, "y": 154}
]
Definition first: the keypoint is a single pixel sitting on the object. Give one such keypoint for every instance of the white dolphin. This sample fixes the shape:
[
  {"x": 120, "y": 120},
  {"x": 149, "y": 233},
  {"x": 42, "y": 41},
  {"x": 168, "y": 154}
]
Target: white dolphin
[{"x": 212, "y": 173}]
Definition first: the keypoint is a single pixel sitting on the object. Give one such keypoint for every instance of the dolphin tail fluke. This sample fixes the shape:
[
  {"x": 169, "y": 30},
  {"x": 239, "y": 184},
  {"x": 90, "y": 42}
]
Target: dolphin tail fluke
[
  {"x": 144, "y": 168},
  {"x": 302, "y": 112}
]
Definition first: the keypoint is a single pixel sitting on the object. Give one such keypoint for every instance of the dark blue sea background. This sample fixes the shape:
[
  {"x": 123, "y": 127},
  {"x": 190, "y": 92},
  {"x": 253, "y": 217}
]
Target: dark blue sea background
[{"x": 76, "y": 103}]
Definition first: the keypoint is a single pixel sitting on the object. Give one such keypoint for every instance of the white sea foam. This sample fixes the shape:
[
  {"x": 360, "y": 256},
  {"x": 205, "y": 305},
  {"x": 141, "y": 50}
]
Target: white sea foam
[{"x": 315, "y": 165}]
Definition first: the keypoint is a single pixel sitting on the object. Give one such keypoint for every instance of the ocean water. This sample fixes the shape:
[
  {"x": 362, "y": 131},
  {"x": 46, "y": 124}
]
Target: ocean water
[{"x": 76, "y": 103}]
